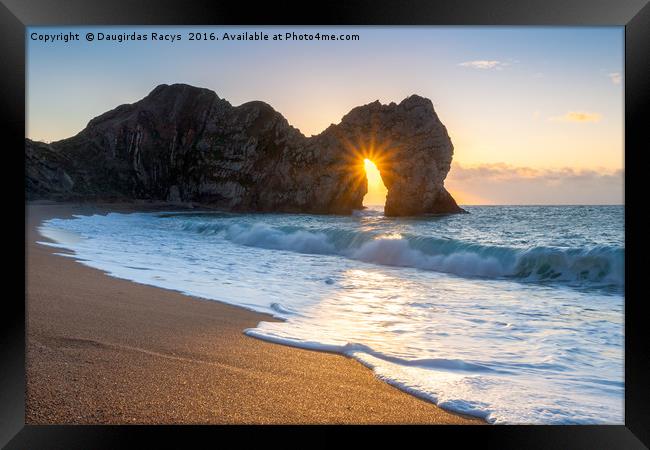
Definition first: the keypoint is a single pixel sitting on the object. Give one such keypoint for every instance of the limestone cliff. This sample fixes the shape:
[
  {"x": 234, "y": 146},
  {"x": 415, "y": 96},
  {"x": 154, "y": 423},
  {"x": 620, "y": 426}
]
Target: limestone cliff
[{"x": 182, "y": 143}]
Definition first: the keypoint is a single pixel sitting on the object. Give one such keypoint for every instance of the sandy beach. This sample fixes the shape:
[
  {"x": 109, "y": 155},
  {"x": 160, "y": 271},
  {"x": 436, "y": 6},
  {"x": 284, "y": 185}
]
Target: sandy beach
[{"x": 105, "y": 350}]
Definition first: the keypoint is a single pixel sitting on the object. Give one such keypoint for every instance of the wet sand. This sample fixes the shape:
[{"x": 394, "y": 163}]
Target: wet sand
[{"x": 105, "y": 350}]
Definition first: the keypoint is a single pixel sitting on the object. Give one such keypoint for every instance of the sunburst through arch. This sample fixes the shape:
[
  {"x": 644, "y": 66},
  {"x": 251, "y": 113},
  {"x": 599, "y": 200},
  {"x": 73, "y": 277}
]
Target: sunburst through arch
[
  {"x": 370, "y": 161},
  {"x": 377, "y": 191}
]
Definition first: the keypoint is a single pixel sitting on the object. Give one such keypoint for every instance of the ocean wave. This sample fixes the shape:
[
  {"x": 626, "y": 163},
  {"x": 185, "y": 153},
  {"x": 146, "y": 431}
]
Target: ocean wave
[
  {"x": 354, "y": 349},
  {"x": 600, "y": 264},
  {"x": 460, "y": 343}
]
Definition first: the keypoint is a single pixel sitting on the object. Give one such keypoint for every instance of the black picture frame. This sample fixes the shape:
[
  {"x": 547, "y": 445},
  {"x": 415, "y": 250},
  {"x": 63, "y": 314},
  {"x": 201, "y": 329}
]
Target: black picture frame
[{"x": 15, "y": 15}]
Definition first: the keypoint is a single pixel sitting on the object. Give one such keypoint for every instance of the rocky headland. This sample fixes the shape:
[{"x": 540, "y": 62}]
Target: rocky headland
[{"x": 185, "y": 144}]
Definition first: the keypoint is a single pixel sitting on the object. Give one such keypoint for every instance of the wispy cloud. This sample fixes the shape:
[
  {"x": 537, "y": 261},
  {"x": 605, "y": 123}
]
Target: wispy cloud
[
  {"x": 503, "y": 172},
  {"x": 502, "y": 183},
  {"x": 485, "y": 64},
  {"x": 577, "y": 116},
  {"x": 616, "y": 77}
]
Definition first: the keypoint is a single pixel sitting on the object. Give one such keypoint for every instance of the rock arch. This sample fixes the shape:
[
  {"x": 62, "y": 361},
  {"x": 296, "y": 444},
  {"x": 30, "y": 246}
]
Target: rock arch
[
  {"x": 411, "y": 149},
  {"x": 183, "y": 143}
]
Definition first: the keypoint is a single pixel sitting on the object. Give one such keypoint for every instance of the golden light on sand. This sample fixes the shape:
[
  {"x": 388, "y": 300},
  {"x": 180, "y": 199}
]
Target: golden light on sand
[{"x": 376, "y": 189}]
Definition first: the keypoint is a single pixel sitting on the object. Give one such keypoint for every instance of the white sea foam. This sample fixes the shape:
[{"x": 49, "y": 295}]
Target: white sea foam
[
  {"x": 602, "y": 264},
  {"x": 398, "y": 252},
  {"x": 511, "y": 314}
]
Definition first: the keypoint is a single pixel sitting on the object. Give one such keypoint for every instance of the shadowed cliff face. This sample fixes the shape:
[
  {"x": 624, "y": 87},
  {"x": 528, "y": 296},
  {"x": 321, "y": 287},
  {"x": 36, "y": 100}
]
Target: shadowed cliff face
[{"x": 182, "y": 143}]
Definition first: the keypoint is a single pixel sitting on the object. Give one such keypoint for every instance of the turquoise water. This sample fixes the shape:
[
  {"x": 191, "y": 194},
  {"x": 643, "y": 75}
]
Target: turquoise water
[{"x": 511, "y": 313}]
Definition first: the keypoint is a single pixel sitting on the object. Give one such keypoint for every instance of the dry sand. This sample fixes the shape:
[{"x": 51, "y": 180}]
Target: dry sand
[{"x": 105, "y": 350}]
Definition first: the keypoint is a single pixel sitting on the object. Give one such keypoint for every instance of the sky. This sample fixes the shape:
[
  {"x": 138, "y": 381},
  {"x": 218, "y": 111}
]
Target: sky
[{"x": 535, "y": 114}]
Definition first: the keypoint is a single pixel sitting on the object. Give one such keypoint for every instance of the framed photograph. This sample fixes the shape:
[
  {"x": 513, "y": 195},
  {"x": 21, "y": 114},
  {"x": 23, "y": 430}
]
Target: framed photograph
[{"x": 374, "y": 213}]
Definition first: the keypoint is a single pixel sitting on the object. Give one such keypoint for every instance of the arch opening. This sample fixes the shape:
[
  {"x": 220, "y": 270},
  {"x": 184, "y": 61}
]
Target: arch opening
[{"x": 377, "y": 191}]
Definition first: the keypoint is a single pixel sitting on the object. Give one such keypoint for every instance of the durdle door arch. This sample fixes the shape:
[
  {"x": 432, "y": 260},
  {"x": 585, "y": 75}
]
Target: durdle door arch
[{"x": 185, "y": 144}]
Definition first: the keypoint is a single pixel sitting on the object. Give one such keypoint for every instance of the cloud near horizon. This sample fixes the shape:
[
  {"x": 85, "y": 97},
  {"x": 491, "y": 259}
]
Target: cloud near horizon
[
  {"x": 616, "y": 77},
  {"x": 501, "y": 183},
  {"x": 484, "y": 64},
  {"x": 577, "y": 116}
]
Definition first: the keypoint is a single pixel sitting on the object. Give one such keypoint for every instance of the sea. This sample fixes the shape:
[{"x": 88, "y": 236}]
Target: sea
[{"x": 514, "y": 314}]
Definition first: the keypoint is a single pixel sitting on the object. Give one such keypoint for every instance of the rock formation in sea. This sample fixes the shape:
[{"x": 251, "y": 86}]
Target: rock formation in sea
[{"x": 185, "y": 144}]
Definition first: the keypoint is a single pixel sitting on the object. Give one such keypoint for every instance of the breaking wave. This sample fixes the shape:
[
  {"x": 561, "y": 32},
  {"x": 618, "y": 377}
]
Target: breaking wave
[{"x": 600, "y": 264}]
